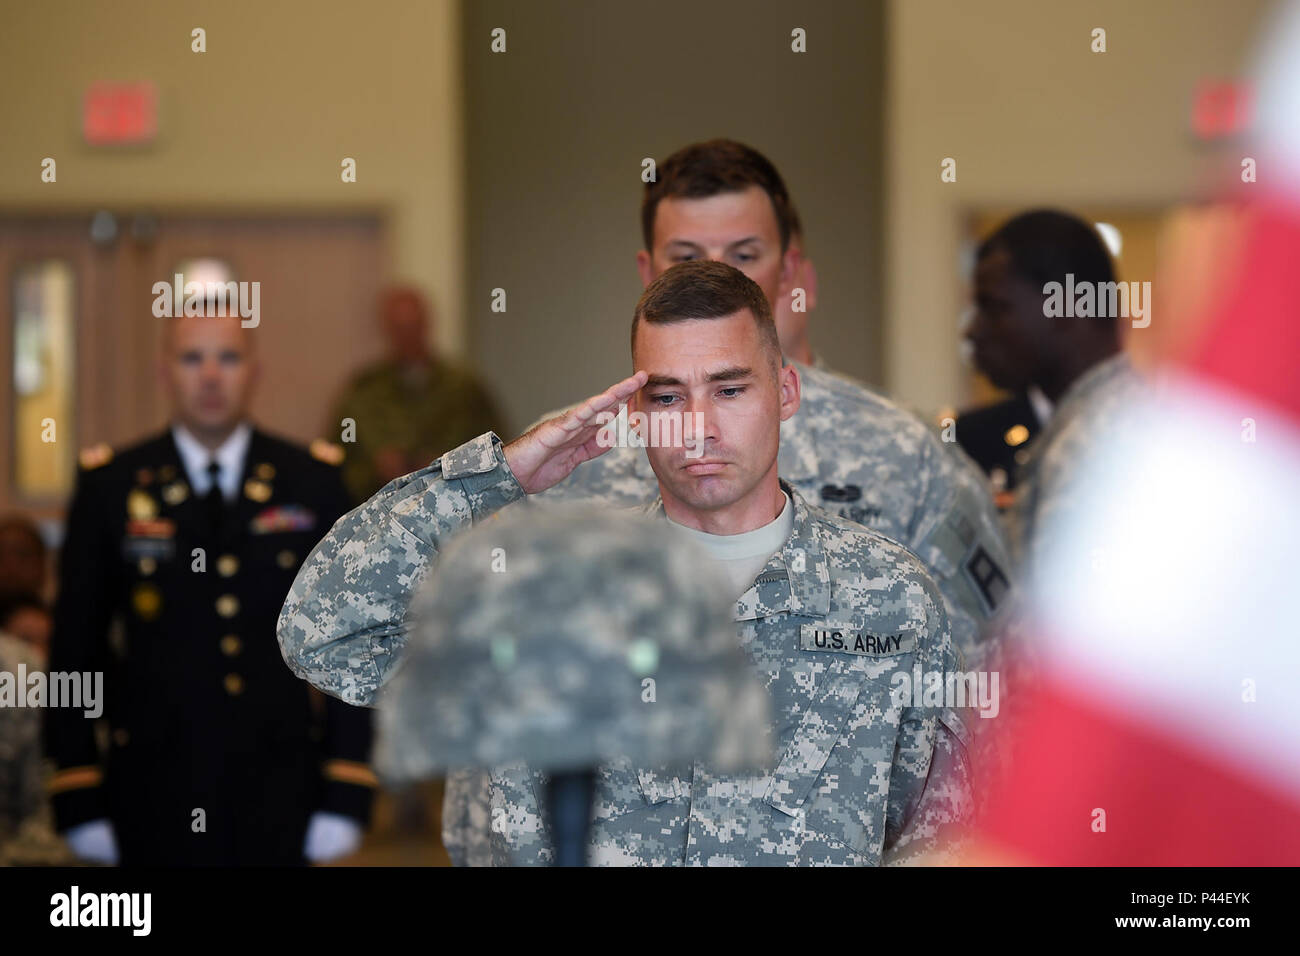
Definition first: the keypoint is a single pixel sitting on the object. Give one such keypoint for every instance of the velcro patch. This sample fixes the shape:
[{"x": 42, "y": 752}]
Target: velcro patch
[
  {"x": 846, "y": 639},
  {"x": 989, "y": 579}
]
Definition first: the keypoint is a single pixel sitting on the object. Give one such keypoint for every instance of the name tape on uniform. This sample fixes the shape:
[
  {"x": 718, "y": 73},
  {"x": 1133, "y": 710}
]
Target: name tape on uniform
[{"x": 852, "y": 640}]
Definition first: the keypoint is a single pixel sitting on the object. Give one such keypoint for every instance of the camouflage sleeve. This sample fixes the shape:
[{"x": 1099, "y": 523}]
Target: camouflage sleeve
[
  {"x": 931, "y": 791},
  {"x": 22, "y": 774},
  {"x": 342, "y": 627},
  {"x": 956, "y": 532}
]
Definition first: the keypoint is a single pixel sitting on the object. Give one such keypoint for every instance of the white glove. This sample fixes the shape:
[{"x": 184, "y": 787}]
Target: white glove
[
  {"x": 330, "y": 836},
  {"x": 93, "y": 841}
]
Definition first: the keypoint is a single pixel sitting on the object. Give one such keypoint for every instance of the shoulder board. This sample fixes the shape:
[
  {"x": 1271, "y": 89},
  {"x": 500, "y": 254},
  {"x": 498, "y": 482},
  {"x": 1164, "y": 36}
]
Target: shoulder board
[
  {"x": 95, "y": 456},
  {"x": 327, "y": 452}
]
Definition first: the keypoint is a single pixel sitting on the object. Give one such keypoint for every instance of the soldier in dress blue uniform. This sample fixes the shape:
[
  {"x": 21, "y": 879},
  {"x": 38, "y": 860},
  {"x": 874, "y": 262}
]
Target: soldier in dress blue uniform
[{"x": 178, "y": 556}]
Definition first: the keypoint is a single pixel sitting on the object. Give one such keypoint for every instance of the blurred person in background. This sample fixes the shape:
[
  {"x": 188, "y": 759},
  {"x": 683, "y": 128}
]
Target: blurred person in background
[
  {"x": 27, "y": 618},
  {"x": 21, "y": 767},
  {"x": 23, "y": 557},
  {"x": 1075, "y": 361},
  {"x": 1164, "y": 729},
  {"x": 178, "y": 555},
  {"x": 411, "y": 407}
]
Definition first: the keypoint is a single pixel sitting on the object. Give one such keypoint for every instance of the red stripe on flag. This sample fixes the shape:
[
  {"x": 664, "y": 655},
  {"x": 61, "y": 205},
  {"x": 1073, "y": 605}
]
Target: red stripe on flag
[
  {"x": 1165, "y": 804},
  {"x": 1253, "y": 342}
]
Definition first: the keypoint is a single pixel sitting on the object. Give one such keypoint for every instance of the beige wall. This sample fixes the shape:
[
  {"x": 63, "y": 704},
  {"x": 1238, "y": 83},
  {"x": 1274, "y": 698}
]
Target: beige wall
[
  {"x": 557, "y": 127},
  {"x": 1012, "y": 92},
  {"x": 260, "y": 121}
]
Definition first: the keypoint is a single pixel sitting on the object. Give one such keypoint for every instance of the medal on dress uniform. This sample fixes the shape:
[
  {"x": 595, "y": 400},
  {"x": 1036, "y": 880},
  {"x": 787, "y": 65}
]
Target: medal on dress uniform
[
  {"x": 147, "y": 601},
  {"x": 289, "y": 517},
  {"x": 257, "y": 490},
  {"x": 140, "y": 506},
  {"x": 265, "y": 471},
  {"x": 175, "y": 493}
]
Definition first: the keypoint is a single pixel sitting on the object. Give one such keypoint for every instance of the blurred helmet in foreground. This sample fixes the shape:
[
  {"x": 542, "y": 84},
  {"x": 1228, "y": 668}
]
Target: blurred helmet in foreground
[{"x": 567, "y": 637}]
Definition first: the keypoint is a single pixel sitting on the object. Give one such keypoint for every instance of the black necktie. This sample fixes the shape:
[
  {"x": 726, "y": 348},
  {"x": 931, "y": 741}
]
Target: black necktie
[{"x": 215, "y": 502}]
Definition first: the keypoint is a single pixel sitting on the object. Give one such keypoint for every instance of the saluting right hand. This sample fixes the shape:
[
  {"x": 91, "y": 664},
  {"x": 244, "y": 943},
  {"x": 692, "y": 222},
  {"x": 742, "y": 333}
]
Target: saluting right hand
[{"x": 546, "y": 454}]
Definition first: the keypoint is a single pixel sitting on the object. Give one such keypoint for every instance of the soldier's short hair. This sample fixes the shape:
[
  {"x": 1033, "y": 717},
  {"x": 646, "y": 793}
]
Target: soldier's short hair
[
  {"x": 705, "y": 289},
  {"x": 1044, "y": 245},
  {"x": 706, "y": 169}
]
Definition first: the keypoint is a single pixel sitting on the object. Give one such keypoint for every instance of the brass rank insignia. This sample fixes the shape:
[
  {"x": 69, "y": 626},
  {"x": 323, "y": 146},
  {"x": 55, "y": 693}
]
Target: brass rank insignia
[
  {"x": 147, "y": 601},
  {"x": 175, "y": 493},
  {"x": 257, "y": 490},
  {"x": 140, "y": 506}
]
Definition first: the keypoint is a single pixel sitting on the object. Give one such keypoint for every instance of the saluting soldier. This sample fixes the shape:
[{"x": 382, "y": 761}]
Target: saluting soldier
[{"x": 178, "y": 556}]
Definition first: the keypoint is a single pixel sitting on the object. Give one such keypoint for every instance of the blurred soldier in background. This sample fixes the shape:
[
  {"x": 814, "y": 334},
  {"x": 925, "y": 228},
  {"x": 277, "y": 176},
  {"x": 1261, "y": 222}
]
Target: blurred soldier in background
[
  {"x": 1074, "y": 360},
  {"x": 827, "y": 610},
  {"x": 178, "y": 554},
  {"x": 409, "y": 408},
  {"x": 997, "y": 437}
]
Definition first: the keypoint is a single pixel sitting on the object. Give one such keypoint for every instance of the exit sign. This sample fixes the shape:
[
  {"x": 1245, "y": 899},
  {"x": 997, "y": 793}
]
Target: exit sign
[
  {"x": 1221, "y": 109},
  {"x": 116, "y": 114}
]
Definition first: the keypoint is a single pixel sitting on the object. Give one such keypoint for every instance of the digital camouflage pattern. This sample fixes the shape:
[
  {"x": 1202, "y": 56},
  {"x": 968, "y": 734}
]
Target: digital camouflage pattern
[
  {"x": 855, "y": 453},
  {"x": 1048, "y": 480},
  {"x": 569, "y": 637},
  {"x": 421, "y": 412},
  {"x": 861, "y": 776},
  {"x": 22, "y": 771}
]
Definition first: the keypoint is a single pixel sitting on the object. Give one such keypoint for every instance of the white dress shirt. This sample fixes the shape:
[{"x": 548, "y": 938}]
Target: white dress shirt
[{"x": 230, "y": 456}]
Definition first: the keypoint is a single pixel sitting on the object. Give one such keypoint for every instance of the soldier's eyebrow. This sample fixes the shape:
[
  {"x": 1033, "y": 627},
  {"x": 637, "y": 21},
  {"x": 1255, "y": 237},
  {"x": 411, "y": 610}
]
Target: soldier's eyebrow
[
  {"x": 729, "y": 374},
  {"x": 654, "y": 380}
]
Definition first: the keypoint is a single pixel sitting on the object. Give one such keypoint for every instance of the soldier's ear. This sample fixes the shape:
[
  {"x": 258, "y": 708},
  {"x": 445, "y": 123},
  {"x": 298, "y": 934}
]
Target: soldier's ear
[
  {"x": 645, "y": 267},
  {"x": 788, "y": 377}
]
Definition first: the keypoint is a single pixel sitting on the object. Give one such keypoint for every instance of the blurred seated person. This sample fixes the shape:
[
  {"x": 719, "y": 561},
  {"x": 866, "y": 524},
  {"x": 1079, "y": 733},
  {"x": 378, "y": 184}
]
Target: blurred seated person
[
  {"x": 28, "y": 619},
  {"x": 409, "y": 408},
  {"x": 22, "y": 557}
]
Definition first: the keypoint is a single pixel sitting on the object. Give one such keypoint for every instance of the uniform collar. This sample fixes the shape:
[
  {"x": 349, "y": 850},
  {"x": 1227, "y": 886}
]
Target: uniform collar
[
  {"x": 796, "y": 578},
  {"x": 230, "y": 455},
  {"x": 1095, "y": 379}
]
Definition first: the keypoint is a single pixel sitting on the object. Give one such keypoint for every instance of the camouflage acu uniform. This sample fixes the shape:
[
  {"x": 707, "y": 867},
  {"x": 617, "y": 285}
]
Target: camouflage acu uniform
[
  {"x": 1048, "y": 479},
  {"x": 629, "y": 651},
  {"x": 851, "y": 452},
  {"x": 22, "y": 772},
  {"x": 422, "y": 417},
  {"x": 862, "y": 777}
]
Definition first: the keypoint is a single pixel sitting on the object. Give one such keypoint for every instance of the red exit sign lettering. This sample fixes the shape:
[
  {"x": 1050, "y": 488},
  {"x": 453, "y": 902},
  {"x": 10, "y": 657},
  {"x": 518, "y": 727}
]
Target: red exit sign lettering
[
  {"x": 114, "y": 114},
  {"x": 1221, "y": 109}
]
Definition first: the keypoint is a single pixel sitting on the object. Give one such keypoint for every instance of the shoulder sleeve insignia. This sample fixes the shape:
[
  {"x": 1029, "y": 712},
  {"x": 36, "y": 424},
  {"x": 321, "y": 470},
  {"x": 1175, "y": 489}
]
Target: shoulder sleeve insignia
[
  {"x": 327, "y": 452},
  {"x": 95, "y": 456}
]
